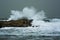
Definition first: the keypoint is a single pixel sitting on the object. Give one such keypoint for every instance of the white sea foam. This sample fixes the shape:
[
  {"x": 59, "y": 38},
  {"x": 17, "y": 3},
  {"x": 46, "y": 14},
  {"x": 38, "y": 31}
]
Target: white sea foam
[
  {"x": 40, "y": 26},
  {"x": 30, "y": 13}
]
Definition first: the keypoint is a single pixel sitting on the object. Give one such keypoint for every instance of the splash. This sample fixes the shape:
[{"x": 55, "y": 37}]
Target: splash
[
  {"x": 30, "y": 13},
  {"x": 40, "y": 26},
  {"x": 55, "y": 20}
]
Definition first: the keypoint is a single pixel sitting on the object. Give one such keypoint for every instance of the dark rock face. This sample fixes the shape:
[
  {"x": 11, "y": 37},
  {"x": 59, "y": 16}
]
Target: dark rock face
[{"x": 16, "y": 23}]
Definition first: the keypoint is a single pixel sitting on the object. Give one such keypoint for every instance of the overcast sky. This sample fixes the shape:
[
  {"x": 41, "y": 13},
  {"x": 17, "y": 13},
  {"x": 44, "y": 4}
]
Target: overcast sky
[{"x": 51, "y": 7}]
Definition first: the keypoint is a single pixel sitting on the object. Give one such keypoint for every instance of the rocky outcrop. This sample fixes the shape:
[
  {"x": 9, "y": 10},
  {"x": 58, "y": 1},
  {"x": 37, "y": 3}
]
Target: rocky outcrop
[{"x": 16, "y": 23}]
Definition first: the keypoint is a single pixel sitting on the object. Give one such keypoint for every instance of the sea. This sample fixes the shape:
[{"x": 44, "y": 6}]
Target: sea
[
  {"x": 42, "y": 30},
  {"x": 27, "y": 33}
]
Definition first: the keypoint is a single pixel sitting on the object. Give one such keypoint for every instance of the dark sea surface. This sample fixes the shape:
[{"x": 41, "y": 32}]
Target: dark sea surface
[{"x": 18, "y": 37}]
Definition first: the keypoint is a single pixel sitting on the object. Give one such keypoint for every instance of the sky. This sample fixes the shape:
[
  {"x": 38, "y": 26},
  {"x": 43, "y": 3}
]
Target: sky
[{"x": 51, "y": 7}]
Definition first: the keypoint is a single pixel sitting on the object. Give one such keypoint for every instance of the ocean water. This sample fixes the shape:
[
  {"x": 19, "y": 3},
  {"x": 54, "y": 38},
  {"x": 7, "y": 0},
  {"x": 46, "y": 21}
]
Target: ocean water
[
  {"x": 18, "y": 37},
  {"x": 39, "y": 30},
  {"x": 27, "y": 33}
]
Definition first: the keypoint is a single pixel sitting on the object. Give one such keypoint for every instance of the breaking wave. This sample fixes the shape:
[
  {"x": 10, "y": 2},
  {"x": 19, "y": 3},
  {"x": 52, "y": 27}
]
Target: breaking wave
[{"x": 40, "y": 26}]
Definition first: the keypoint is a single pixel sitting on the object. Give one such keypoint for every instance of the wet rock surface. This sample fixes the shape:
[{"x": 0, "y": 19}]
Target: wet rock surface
[{"x": 16, "y": 23}]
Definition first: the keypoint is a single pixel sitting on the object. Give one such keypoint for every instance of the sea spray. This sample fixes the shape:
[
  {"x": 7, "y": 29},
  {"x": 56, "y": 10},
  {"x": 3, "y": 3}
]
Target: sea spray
[
  {"x": 40, "y": 26},
  {"x": 55, "y": 20},
  {"x": 30, "y": 13}
]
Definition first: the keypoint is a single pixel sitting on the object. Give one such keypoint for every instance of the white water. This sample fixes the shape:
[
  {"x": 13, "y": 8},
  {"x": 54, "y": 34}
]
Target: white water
[
  {"x": 30, "y": 13},
  {"x": 44, "y": 28}
]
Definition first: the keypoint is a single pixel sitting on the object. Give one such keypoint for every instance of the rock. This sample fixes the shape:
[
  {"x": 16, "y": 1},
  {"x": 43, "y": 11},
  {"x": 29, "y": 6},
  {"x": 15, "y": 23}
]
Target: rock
[{"x": 16, "y": 23}]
